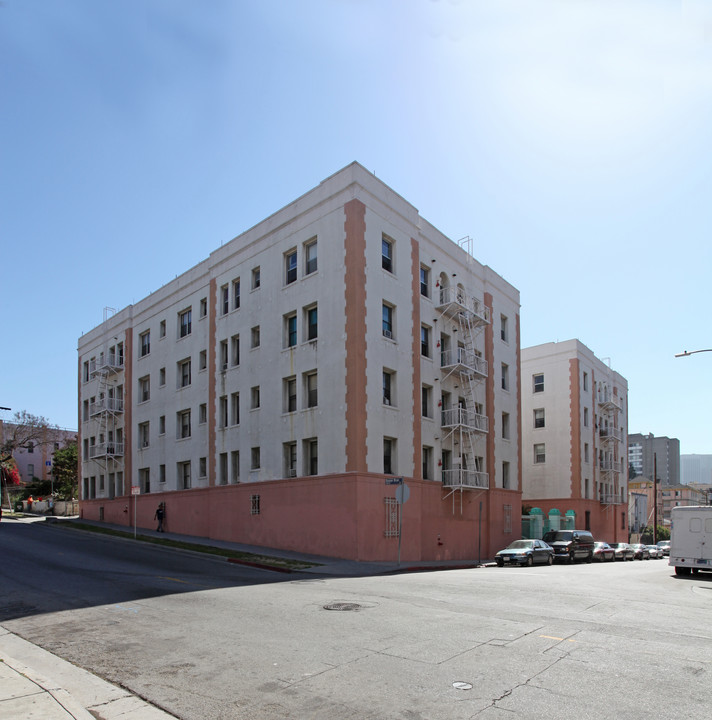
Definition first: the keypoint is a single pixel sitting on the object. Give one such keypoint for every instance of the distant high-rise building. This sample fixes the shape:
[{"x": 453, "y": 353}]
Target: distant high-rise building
[
  {"x": 643, "y": 451},
  {"x": 696, "y": 469}
]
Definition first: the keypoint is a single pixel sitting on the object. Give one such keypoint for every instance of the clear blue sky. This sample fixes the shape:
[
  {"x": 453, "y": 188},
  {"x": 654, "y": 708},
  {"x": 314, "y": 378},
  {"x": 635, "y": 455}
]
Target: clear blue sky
[{"x": 572, "y": 140}]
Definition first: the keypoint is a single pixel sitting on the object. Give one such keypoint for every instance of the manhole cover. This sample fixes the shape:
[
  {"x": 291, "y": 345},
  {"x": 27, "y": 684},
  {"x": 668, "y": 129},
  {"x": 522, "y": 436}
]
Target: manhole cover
[
  {"x": 461, "y": 685},
  {"x": 342, "y": 606}
]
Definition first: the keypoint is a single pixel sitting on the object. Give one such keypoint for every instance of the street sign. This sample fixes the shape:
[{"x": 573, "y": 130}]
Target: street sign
[
  {"x": 402, "y": 494},
  {"x": 48, "y": 463},
  {"x": 394, "y": 481},
  {"x": 135, "y": 489}
]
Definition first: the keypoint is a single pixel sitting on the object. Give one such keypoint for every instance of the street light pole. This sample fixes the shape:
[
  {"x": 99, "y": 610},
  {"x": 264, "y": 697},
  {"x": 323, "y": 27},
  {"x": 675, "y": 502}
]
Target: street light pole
[{"x": 692, "y": 352}]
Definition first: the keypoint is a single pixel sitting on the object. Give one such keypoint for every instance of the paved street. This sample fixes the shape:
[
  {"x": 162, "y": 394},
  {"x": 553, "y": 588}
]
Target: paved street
[{"x": 202, "y": 638}]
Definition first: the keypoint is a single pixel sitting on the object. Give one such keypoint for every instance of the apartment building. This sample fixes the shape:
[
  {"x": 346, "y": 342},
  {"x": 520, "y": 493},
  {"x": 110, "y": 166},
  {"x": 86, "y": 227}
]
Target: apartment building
[
  {"x": 647, "y": 452},
  {"x": 270, "y": 393},
  {"x": 574, "y": 431}
]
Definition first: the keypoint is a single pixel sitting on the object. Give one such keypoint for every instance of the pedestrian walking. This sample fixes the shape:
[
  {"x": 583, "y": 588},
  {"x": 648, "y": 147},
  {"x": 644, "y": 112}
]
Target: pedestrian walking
[{"x": 160, "y": 514}]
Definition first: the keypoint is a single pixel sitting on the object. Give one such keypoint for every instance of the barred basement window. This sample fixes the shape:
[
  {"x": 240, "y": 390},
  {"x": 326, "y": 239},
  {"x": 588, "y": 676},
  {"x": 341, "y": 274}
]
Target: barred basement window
[
  {"x": 392, "y": 517},
  {"x": 507, "y": 519},
  {"x": 254, "y": 504}
]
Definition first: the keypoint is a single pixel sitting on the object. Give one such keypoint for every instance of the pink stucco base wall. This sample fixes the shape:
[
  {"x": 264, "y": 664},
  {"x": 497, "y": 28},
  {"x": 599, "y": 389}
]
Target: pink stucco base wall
[{"x": 338, "y": 516}]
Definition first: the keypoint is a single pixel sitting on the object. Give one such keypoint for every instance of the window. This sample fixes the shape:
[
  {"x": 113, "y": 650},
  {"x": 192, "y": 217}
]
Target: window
[
  {"x": 203, "y": 307},
  {"x": 387, "y": 254},
  {"x": 256, "y": 279},
  {"x": 235, "y": 466},
  {"x": 202, "y": 413},
  {"x": 290, "y": 330},
  {"x": 505, "y": 425},
  {"x": 235, "y": 408},
  {"x": 504, "y": 328},
  {"x": 424, "y": 282},
  {"x": 222, "y": 479},
  {"x": 585, "y": 382},
  {"x": 203, "y": 467},
  {"x": 85, "y": 371},
  {"x": 427, "y": 463},
  {"x": 224, "y": 300},
  {"x": 223, "y": 354},
  {"x": 184, "y": 375},
  {"x": 236, "y": 294},
  {"x": 310, "y": 389},
  {"x": 144, "y": 343},
  {"x": 162, "y": 425},
  {"x": 388, "y": 456},
  {"x": 585, "y": 417},
  {"x": 425, "y": 341},
  {"x": 289, "y": 387},
  {"x": 507, "y": 518},
  {"x": 387, "y": 321},
  {"x": 505, "y": 475},
  {"x": 161, "y": 473},
  {"x": 310, "y": 257},
  {"x": 539, "y": 418},
  {"x": 255, "y": 337},
  {"x": 585, "y": 453},
  {"x": 162, "y": 329},
  {"x": 255, "y": 458},
  {"x": 222, "y": 418},
  {"x": 185, "y": 322},
  {"x": 505, "y": 376},
  {"x": 184, "y": 424},
  {"x": 290, "y": 267},
  {"x": 538, "y": 382},
  {"x": 426, "y": 402},
  {"x": 290, "y": 459},
  {"x": 254, "y": 504},
  {"x": 144, "y": 388},
  {"x": 312, "y": 319},
  {"x": 311, "y": 456},
  {"x": 183, "y": 473},
  {"x": 143, "y": 435},
  {"x": 539, "y": 453},
  {"x": 203, "y": 359},
  {"x": 162, "y": 377},
  {"x": 235, "y": 350},
  {"x": 144, "y": 479},
  {"x": 388, "y": 387},
  {"x": 255, "y": 397}
]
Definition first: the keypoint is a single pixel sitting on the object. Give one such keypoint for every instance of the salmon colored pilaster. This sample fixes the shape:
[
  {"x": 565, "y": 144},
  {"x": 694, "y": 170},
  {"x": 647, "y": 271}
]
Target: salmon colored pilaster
[
  {"x": 128, "y": 411},
  {"x": 597, "y": 489},
  {"x": 417, "y": 407},
  {"x": 79, "y": 425},
  {"x": 355, "y": 297},
  {"x": 519, "y": 405},
  {"x": 575, "y": 408},
  {"x": 489, "y": 392},
  {"x": 213, "y": 375}
]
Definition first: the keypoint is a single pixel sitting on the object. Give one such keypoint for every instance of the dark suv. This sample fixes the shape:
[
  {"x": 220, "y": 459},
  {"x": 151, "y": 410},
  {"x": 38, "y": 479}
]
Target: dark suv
[{"x": 571, "y": 545}]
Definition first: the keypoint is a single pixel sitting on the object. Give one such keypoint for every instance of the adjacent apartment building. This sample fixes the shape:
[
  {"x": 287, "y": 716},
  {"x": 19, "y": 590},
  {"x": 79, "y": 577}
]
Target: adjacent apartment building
[
  {"x": 645, "y": 452},
  {"x": 271, "y": 393},
  {"x": 574, "y": 431}
]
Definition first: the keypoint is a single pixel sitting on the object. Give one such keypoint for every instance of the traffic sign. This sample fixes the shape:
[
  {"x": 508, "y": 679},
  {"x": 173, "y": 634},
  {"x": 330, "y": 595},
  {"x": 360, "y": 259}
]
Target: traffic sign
[
  {"x": 402, "y": 494},
  {"x": 135, "y": 489}
]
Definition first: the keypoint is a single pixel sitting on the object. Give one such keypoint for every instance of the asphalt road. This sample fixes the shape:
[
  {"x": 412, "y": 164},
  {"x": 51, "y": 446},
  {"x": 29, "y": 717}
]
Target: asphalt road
[{"x": 202, "y": 638}]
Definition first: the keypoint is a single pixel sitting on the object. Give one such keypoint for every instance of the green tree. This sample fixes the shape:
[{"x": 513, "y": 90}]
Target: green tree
[{"x": 65, "y": 471}]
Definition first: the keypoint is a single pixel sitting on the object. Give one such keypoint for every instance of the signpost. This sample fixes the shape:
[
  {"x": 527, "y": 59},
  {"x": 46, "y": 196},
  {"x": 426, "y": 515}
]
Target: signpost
[
  {"x": 402, "y": 495},
  {"x": 135, "y": 491}
]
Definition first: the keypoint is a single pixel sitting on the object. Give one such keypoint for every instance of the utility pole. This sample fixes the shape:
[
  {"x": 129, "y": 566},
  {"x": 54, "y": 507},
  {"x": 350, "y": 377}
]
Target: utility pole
[{"x": 655, "y": 498}]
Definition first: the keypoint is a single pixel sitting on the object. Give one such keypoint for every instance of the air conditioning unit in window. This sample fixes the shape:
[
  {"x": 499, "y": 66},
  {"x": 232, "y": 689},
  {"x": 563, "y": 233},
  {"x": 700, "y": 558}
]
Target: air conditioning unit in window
[
  {"x": 388, "y": 334},
  {"x": 291, "y": 473}
]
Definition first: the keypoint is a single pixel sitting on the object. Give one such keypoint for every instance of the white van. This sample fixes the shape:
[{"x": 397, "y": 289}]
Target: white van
[{"x": 691, "y": 539}]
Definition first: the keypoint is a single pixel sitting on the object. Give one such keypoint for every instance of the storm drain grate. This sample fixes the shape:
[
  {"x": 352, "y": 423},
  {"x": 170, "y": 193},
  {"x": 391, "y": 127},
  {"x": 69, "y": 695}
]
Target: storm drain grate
[{"x": 342, "y": 606}]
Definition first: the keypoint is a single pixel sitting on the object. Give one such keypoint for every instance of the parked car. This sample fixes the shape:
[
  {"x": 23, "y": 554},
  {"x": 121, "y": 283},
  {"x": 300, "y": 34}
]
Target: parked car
[
  {"x": 665, "y": 545},
  {"x": 525, "y": 552},
  {"x": 571, "y": 545},
  {"x": 655, "y": 552},
  {"x": 640, "y": 551},
  {"x": 603, "y": 552},
  {"x": 623, "y": 551}
]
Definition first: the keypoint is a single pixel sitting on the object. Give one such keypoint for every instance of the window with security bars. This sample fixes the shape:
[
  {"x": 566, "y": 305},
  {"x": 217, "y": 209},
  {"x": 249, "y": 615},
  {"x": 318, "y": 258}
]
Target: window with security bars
[
  {"x": 254, "y": 504},
  {"x": 507, "y": 519},
  {"x": 392, "y": 517}
]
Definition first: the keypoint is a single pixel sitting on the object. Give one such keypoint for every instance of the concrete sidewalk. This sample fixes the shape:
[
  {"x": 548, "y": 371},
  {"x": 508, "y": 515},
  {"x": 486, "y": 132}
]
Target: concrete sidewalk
[{"x": 37, "y": 684}]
